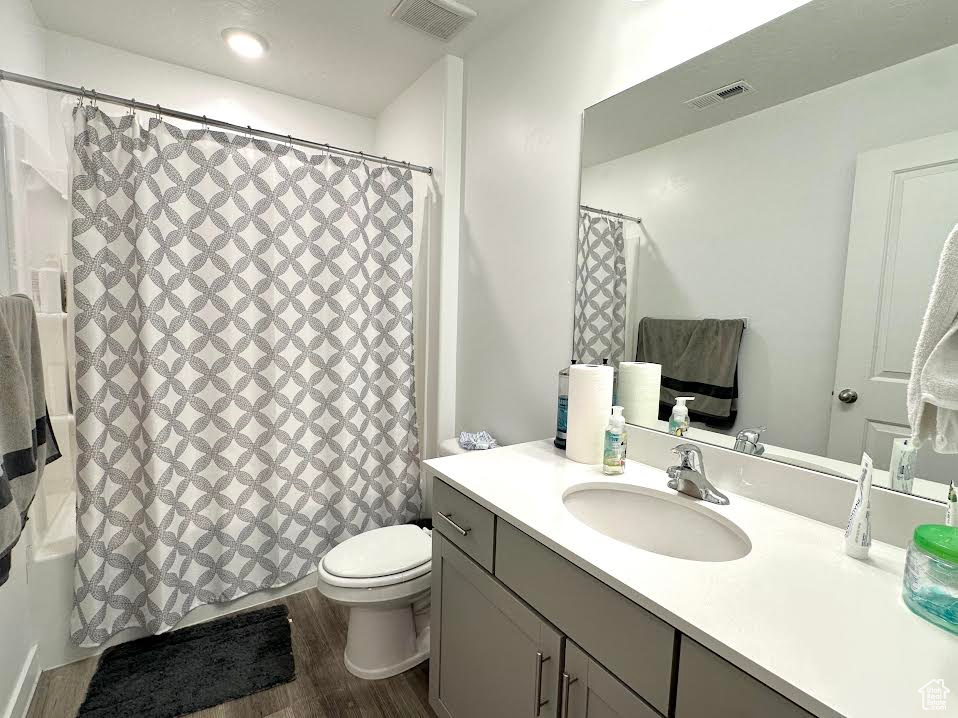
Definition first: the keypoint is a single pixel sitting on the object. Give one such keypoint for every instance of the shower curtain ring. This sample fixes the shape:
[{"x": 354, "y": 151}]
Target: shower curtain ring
[
  {"x": 94, "y": 100},
  {"x": 159, "y": 114},
  {"x": 133, "y": 107},
  {"x": 206, "y": 124}
]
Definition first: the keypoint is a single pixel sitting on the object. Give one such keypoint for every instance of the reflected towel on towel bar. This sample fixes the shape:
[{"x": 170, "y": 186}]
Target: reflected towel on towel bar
[{"x": 699, "y": 358}]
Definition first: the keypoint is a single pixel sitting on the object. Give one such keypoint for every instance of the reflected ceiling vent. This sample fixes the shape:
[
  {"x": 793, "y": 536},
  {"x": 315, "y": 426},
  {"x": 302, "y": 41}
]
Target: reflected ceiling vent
[
  {"x": 736, "y": 89},
  {"x": 440, "y": 18}
]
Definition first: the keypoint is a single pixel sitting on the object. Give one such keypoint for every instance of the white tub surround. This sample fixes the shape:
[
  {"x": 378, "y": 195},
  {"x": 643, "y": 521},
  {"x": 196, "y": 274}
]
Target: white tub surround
[{"x": 826, "y": 631}]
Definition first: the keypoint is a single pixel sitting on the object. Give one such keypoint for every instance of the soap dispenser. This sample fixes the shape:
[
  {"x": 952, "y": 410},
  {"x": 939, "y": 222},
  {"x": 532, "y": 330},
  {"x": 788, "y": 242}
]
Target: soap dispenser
[
  {"x": 679, "y": 421},
  {"x": 613, "y": 455}
]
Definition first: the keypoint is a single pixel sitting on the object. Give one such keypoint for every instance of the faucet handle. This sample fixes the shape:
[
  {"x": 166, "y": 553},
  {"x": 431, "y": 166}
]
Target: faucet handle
[
  {"x": 690, "y": 456},
  {"x": 753, "y": 434},
  {"x": 747, "y": 441}
]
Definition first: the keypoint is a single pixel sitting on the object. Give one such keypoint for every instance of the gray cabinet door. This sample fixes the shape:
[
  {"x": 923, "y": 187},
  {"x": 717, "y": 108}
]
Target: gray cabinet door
[
  {"x": 491, "y": 654},
  {"x": 589, "y": 691}
]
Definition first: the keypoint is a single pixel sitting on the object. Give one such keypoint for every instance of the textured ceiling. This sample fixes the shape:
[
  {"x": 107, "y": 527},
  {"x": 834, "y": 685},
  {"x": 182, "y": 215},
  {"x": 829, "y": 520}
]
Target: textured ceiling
[{"x": 348, "y": 54}]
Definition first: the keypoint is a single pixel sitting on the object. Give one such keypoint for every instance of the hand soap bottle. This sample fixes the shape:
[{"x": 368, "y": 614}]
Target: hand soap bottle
[
  {"x": 613, "y": 456},
  {"x": 679, "y": 421}
]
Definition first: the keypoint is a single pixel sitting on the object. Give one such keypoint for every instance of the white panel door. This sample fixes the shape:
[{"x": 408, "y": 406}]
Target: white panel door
[{"x": 905, "y": 204}]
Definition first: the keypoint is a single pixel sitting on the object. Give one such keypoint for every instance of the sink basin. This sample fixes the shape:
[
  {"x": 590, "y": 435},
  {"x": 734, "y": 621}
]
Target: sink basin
[{"x": 657, "y": 521}]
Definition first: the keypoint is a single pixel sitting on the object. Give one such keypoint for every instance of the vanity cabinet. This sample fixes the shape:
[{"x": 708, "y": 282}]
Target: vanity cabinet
[
  {"x": 518, "y": 631},
  {"x": 491, "y": 655}
]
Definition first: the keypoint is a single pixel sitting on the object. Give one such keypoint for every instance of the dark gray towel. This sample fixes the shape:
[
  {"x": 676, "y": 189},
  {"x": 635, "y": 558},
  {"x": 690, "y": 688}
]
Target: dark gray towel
[
  {"x": 27, "y": 443},
  {"x": 699, "y": 358}
]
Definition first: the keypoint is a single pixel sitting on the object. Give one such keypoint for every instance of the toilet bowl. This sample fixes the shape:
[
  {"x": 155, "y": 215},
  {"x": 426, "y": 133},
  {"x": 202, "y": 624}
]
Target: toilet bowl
[{"x": 383, "y": 576}]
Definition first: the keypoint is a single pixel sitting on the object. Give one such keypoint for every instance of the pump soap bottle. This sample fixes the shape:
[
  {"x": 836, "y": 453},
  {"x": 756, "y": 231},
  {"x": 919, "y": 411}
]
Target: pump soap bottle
[
  {"x": 613, "y": 456},
  {"x": 679, "y": 421}
]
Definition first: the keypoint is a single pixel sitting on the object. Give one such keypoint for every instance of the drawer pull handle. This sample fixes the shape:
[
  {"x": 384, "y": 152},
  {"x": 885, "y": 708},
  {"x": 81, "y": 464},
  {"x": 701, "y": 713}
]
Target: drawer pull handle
[
  {"x": 539, "y": 702},
  {"x": 567, "y": 681},
  {"x": 460, "y": 529}
]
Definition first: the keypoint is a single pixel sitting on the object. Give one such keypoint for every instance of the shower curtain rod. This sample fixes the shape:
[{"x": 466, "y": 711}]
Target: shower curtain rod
[
  {"x": 637, "y": 220},
  {"x": 134, "y": 104}
]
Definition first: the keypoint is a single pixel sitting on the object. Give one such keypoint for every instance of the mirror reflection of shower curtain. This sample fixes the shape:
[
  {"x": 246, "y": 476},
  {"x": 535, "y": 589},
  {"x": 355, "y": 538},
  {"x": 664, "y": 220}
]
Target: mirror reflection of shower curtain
[
  {"x": 245, "y": 378},
  {"x": 600, "y": 290}
]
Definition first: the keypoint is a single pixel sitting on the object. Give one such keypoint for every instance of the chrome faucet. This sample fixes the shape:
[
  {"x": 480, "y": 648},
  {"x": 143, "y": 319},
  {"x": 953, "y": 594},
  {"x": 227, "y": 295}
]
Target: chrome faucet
[
  {"x": 746, "y": 441},
  {"x": 689, "y": 476}
]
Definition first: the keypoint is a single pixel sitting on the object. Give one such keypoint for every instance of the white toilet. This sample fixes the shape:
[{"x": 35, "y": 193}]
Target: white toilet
[{"x": 383, "y": 575}]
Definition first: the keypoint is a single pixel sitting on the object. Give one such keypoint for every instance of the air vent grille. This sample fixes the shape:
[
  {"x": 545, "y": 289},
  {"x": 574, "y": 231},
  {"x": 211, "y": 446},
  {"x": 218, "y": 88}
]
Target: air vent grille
[
  {"x": 722, "y": 94},
  {"x": 440, "y": 18}
]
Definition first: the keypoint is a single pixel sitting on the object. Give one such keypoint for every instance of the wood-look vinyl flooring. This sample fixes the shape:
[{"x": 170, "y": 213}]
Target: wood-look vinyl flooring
[{"x": 322, "y": 688}]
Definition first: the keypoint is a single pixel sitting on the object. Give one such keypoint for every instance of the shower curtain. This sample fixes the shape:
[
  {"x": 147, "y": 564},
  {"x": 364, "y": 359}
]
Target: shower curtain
[
  {"x": 245, "y": 375},
  {"x": 600, "y": 291}
]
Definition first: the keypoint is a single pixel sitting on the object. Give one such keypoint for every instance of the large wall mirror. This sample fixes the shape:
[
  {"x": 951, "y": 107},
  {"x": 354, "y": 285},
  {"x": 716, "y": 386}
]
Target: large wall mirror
[{"x": 766, "y": 221}]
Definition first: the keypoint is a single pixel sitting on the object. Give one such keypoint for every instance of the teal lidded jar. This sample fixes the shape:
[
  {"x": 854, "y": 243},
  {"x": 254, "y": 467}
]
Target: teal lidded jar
[{"x": 930, "y": 583}]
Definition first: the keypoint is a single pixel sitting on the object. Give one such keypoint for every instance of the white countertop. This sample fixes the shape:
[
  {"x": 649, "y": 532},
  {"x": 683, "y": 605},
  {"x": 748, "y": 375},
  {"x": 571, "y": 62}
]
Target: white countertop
[{"x": 829, "y": 632}]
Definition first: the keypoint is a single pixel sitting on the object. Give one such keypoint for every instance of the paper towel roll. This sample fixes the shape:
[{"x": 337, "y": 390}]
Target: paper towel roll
[
  {"x": 590, "y": 406},
  {"x": 639, "y": 388}
]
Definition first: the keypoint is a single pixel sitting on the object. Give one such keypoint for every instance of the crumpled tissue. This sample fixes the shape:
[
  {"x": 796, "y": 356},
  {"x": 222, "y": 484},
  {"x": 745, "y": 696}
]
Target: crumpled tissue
[{"x": 477, "y": 441}]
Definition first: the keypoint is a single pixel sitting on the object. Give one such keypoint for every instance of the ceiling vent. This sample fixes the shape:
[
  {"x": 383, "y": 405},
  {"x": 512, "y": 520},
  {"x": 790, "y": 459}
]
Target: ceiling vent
[
  {"x": 722, "y": 94},
  {"x": 440, "y": 18}
]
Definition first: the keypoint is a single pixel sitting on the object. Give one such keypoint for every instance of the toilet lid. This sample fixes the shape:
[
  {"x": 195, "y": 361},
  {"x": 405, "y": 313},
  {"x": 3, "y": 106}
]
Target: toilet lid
[{"x": 380, "y": 552}]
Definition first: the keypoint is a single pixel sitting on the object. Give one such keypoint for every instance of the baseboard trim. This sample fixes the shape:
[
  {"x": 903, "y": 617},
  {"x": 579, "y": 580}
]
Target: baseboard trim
[{"x": 19, "y": 702}]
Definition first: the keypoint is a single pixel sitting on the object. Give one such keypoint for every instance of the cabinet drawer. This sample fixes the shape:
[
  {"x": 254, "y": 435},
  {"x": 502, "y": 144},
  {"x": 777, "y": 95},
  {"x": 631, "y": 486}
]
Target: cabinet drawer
[
  {"x": 464, "y": 522},
  {"x": 711, "y": 687},
  {"x": 629, "y": 641}
]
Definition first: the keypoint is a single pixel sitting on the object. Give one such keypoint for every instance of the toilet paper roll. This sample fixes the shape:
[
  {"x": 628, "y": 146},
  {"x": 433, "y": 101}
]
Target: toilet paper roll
[
  {"x": 639, "y": 389},
  {"x": 590, "y": 406}
]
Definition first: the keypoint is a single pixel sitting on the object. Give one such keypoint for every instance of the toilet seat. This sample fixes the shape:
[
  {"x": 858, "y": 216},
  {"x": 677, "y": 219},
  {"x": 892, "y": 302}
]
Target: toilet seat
[{"x": 381, "y": 557}]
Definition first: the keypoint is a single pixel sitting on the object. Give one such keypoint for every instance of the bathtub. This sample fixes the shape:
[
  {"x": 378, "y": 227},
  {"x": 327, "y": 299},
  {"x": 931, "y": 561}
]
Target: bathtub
[{"x": 52, "y": 528}]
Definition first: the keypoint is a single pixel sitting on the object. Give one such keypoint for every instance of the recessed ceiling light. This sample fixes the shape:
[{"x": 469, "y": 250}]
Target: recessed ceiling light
[{"x": 245, "y": 43}]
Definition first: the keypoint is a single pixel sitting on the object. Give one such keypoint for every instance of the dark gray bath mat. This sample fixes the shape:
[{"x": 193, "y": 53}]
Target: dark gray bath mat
[{"x": 193, "y": 668}]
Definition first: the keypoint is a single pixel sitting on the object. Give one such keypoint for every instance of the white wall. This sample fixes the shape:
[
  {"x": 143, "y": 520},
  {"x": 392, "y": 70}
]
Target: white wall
[
  {"x": 75, "y": 61},
  {"x": 22, "y": 50},
  {"x": 424, "y": 125},
  {"x": 526, "y": 89},
  {"x": 751, "y": 218}
]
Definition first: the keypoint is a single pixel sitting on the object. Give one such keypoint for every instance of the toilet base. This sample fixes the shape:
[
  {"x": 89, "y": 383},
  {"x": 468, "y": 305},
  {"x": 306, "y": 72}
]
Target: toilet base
[{"x": 382, "y": 642}]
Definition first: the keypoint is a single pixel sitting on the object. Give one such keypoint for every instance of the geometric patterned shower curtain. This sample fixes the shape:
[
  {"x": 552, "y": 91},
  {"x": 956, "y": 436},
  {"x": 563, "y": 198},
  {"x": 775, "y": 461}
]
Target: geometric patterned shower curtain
[
  {"x": 600, "y": 291},
  {"x": 244, "y": 350}
]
